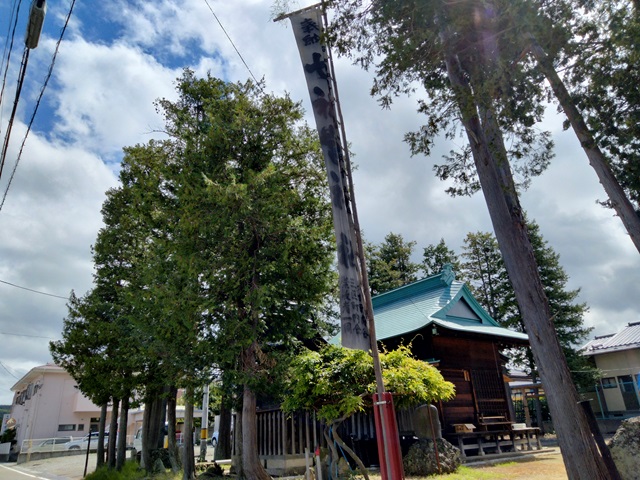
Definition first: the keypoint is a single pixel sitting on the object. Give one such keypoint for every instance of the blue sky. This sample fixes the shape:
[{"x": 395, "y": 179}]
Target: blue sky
[{"x": 119, "y": 56}]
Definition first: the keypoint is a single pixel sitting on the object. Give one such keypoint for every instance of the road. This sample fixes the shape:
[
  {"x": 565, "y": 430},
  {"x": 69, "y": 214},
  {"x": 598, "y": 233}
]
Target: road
[
  {"x": 59, "y": 468},
  {"x": 12, "y": 473}
]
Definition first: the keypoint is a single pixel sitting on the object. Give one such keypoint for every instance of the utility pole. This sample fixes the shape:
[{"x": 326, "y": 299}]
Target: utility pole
[{"x": 204, "y": 427}]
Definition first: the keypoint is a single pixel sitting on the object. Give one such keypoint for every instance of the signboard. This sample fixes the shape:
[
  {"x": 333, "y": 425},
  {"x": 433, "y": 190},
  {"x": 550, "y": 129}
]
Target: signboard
[{"x": 308, "y": 28}]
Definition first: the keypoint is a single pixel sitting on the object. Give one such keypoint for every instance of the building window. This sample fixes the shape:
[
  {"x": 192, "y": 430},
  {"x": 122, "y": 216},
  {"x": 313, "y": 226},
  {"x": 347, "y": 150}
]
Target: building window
[
  {"x": 95, "y": 419},
  {"x": 609, "y": 382},
  {"x": 626, "y": 383},
  {"x": 68, "y": 427},
  {"x": 80, "y": 427}
]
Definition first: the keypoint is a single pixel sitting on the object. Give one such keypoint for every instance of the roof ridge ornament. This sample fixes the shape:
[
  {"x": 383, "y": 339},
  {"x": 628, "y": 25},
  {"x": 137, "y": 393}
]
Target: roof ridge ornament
[{"x": 448, "y": 275}]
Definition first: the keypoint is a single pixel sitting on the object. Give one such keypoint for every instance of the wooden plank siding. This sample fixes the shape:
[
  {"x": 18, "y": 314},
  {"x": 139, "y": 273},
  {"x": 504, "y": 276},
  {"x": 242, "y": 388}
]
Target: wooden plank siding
[{"x": 472, "y": 364}]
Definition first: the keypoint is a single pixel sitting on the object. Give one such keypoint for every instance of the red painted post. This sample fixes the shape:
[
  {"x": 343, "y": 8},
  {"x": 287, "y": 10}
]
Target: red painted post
[{"x": 391, "y": 461}]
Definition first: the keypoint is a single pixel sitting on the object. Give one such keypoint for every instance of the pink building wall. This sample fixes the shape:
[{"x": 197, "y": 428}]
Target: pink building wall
[{"x": 47, "y": 403}]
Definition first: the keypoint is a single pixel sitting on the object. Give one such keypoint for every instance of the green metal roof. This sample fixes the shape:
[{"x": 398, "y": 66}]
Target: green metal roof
[{"x": 438, "y": 300}]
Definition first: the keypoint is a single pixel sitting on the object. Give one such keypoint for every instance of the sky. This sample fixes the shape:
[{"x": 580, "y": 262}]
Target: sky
[{"x": 118, "y": 56}]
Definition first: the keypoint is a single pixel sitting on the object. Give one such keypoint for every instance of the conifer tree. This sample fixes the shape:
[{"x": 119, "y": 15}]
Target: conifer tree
[
  {"x": 389, "y": 264},
  {"x": 484, "y": 268},
  {"x": 435, "y": 257}
]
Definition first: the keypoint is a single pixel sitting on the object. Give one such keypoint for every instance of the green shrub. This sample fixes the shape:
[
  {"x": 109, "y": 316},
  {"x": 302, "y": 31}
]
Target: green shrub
[{"x": 130, "y": 471}]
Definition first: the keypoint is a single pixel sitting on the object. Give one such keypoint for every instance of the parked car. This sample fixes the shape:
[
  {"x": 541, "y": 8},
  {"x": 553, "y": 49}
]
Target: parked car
[
  {"x": 51, "y": 445},
  {"x": 81, "y": 444}
]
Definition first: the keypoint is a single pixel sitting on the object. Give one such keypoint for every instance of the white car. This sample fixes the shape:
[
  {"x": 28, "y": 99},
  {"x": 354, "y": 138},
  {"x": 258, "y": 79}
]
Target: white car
[
  {"x": 51, "y": 445},
  {"x": 82, "y": 443}
]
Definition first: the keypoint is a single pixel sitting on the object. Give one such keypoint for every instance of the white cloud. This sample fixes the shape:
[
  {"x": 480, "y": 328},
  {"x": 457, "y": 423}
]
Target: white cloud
[{"x": 104, "y": 96}]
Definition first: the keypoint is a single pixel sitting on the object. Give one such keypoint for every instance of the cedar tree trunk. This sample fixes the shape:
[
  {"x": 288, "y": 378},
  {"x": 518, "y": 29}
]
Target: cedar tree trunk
[
  {"x": 223, "y": 449},
  {"x": 188, "y": 458},
  {"x": 113, "y": 429},
  {"x": 172, "y": 445},
  {"x": 581, "y": 457},
  {"x": 101, "y": 427},
  {"x": 252, "y": 469},
  {"x": 121, "y": 450}
]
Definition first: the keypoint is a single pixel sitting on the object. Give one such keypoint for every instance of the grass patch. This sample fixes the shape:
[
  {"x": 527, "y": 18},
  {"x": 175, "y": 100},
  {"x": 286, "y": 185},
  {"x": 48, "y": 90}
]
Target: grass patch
[
  {"x": 463, "y": 473},
  {"x": 130, "y": 471}
]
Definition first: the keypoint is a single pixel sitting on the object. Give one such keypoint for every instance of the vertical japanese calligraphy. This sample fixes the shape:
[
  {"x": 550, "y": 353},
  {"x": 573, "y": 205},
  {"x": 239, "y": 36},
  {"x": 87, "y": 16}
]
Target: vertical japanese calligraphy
[{"x": 307, "y": 28}]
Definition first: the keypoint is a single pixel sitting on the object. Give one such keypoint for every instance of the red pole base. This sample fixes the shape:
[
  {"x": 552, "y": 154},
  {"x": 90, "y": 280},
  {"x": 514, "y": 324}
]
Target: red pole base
[{"x": 389, "y": 451}]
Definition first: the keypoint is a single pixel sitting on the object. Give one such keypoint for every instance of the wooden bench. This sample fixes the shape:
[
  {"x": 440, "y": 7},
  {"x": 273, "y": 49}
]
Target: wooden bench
[
  {"x": 485, "y": 442},
  {"x": 523, "y": 435},
  {"x": 496, "y": 440}
]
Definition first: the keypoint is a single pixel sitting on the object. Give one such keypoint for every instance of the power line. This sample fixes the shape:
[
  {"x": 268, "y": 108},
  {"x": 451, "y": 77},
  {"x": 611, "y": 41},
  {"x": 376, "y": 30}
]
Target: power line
[
  {"x": 8, "y": 371},
  {"x": 34, "y": 291},
  {"x": 234, "y": 47},
  {"x": 7, "y": 52},
  {"x": 26, "y": 335},
  {"x": 35, "y": 110},
  {"x": 7, "y": 134}
]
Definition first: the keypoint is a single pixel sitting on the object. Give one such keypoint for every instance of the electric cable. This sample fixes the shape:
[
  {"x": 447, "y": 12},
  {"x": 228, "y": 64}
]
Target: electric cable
[
  {"x": 8, "y": 371},
  {"x": 35, "y": 110},
  {"x": 234, "y": 47},
  {"x": 7, "y": 134},
  {"x": 7, "y": 54},
  {"x": 34, "y": 291},
  {"x": 26, "y": 335}
]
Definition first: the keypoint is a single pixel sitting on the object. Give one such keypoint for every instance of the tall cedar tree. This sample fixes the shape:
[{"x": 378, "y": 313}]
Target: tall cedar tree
[
  {"x": 254, "y": 226},
  {"x": 463, "y": 54},
  {"x": 606, "y": 80}
]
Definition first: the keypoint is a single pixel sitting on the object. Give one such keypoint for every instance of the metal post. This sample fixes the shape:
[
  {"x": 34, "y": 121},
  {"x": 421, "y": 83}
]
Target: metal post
[{"x": 599, "y": 401}]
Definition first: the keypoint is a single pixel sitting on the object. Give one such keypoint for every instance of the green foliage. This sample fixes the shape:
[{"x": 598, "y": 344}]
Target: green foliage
[
  {"x": 216, "y": 245},
  {"x": 254, "y": 222},
  {"x": 486, "y": 273},
  {"x": 389, "y": 264},
  {"x": 435, "y": 257},
  {"x": 407, "y": 43},
  {"x": 413, "y": 381},
  {"x": 9, "y": 435},
  {"x": 604, "y": 78},
  {"x": 485, "y": 269},
  {"x": 337, "y": 382}
]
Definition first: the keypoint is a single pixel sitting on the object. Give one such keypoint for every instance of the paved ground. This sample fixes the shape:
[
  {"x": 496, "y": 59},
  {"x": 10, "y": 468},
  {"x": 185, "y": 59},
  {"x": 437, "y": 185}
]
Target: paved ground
[{"x": 60, "y": 468}]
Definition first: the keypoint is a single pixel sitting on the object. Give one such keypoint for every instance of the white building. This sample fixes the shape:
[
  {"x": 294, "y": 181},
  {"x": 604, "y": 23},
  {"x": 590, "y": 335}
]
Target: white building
[{"x": 617, "y": 356}]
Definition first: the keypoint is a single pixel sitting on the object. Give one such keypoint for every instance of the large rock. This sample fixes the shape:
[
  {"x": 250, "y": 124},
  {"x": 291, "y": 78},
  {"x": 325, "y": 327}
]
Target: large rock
[
  {"x": 624, "y": 448},
  {"x": 422, "y": 459}
]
